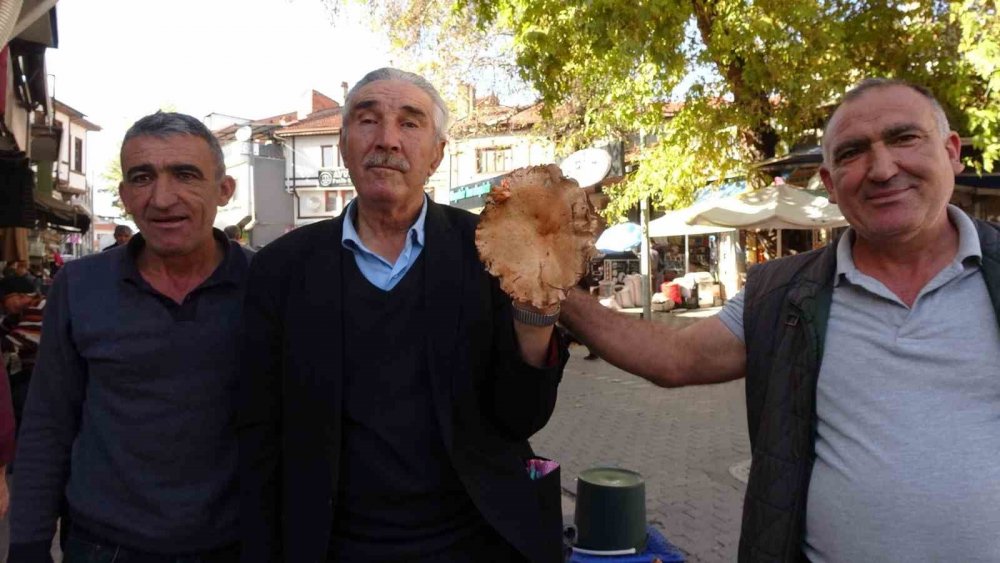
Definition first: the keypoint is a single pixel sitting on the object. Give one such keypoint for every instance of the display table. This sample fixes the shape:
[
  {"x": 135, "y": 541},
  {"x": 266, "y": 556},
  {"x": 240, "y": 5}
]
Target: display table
[{"x": 657, "y": 547}]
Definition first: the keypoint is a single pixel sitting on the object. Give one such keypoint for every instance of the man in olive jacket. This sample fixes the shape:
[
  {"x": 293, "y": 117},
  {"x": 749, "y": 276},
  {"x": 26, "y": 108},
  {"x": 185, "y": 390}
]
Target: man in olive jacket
[{"x": 873, "y": 400}]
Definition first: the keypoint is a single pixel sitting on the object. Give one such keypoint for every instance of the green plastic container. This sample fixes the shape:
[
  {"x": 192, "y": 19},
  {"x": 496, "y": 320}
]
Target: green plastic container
[{"x": 610, "y": 510}]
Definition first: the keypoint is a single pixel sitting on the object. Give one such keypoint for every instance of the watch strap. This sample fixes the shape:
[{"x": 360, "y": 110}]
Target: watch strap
[{"x": 534, "y": 318}]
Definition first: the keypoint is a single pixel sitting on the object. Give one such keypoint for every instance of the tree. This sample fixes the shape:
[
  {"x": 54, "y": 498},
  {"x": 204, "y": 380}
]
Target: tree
[
  {"x": 980, "y": 45},
  {"x": 111, "y": 177},
  {"x": 447, "y": 45},
  {"x": 755, "y": 78}
]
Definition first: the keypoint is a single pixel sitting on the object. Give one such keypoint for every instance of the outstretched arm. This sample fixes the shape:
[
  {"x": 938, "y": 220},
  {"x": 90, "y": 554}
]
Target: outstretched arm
[{"x": 706, "y": 352}]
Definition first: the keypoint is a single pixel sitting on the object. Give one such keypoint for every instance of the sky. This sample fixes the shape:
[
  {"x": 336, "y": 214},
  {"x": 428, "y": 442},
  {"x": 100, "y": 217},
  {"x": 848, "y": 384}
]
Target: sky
[{"x": 118, "y": 60}]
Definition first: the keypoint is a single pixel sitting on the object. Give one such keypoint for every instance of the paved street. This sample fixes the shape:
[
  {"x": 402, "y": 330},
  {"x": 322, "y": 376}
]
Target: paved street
[
  {"x": 687, "y": 444},
  {"x": 684, "y": 442}
]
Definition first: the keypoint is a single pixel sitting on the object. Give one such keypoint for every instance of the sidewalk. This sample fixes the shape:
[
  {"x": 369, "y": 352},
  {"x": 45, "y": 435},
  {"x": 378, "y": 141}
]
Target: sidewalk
[{"x": 687, "y": 443}]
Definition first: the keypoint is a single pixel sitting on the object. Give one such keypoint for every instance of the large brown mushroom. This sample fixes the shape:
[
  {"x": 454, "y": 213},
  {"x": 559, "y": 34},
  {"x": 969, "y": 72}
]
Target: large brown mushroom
[{"x": 536, "y": 234}]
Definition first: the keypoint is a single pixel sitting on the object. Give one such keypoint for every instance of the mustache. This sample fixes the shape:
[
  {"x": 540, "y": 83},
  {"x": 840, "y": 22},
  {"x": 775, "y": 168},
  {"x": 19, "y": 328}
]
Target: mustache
[{"x": 386, "y": 160}]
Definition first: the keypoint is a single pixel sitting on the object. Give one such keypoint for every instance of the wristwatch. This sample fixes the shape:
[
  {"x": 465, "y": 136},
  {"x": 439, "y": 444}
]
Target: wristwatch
[{"x": 534, "y": 318}]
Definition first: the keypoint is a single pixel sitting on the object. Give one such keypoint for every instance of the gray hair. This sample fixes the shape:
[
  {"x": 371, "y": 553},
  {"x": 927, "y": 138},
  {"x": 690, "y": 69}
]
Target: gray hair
[
  {"x": 875, "y": 83},
  {"x": 440, "y": 112},
  {"x": 165, "y": 123}
]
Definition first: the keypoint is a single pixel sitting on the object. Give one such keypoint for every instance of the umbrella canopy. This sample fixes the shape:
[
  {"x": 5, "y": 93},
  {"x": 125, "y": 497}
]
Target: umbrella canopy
[
  {"x": 774, "y": 207},
  {"x": 675, "y": 224},
  {"x": 619, "y": 238}
]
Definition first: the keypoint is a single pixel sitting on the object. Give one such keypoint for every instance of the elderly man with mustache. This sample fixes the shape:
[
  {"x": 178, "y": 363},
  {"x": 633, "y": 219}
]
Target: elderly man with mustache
[{"x": 390, "y": 386}]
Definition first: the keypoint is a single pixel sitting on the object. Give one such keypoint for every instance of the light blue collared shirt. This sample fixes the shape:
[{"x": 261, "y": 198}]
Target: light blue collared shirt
[{"x": 376, "y": 269}]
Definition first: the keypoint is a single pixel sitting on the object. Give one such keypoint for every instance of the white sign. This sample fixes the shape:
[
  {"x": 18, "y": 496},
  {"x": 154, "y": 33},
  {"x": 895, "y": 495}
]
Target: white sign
[{"x": 587, "y": 166}]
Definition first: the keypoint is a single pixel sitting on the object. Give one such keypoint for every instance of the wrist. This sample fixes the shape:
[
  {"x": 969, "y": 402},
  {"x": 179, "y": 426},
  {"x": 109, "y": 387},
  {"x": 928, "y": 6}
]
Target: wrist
[{"x": 533, "y": 316}]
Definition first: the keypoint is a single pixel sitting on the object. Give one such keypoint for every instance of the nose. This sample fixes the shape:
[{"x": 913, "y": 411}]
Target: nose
[
  {"x": 882, "y": 164},
  {"x": 388, "y": 136},
  {"x": 163, "y": 193}
]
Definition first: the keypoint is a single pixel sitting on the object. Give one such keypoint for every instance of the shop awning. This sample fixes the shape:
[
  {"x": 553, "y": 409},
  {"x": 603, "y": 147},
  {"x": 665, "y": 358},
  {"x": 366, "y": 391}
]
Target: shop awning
[{"x": 60, "y": 215}]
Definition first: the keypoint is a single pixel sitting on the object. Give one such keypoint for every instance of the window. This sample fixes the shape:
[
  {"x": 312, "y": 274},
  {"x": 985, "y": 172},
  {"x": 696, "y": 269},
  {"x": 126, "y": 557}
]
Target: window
[
  {"x": 494, "y": 159},
  {"x": 337, "y": 200},
  {"x": 78, "y": 154},
  {"x": 330, "y": 156}
]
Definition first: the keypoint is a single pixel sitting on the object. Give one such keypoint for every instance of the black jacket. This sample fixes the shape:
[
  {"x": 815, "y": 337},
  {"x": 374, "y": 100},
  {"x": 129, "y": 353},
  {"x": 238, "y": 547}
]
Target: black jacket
[
  {"x": 488, "y": 402},
  {"x": 787, "y": 305}
]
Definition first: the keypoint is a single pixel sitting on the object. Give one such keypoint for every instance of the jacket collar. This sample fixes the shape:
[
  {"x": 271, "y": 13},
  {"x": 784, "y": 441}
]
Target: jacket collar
[{"x": 989, "y": 242}]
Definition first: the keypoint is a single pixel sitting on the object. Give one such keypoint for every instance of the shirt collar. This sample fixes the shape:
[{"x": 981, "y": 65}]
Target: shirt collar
[
  {"x": 230, "y": 270},
  {"x": 351, "y": 241},
  {"x": 968, "y": 244}
]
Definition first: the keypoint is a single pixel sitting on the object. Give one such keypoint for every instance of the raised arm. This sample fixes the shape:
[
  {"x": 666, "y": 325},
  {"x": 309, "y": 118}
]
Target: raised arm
[{"x": 706, "y": 352}]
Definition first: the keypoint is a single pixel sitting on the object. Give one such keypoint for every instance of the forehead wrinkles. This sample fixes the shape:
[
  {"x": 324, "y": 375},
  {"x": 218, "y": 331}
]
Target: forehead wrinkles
[
  {"x": 166, "y": 153},
  {"x": 392, "y": 95}
]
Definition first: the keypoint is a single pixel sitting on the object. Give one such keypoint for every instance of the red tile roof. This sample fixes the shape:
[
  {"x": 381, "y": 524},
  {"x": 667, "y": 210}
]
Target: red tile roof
[{"x": 327, "y": 121}]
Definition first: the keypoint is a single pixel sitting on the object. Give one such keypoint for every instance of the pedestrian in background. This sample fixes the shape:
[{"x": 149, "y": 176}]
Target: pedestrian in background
[
  {"x": 20, "y": 332},
  {"x": 130, "y": 414},
  {"x": 123, "y": 233},
  {"x": 233, "y": 232}
]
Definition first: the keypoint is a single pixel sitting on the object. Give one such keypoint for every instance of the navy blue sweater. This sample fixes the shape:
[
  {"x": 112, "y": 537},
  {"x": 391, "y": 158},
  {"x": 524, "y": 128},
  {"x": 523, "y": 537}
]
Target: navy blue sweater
[{"x": 130, "y": 411}]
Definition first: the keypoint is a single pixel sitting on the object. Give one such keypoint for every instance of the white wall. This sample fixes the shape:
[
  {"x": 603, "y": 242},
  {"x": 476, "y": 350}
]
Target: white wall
[
  {"x": 70, "y": 132},
  {"x": 239, "y": 205},
  {"x": 528, "y": 150},
  {"x": 313, "y": 200},
  {"x": 308, "y": 158}
]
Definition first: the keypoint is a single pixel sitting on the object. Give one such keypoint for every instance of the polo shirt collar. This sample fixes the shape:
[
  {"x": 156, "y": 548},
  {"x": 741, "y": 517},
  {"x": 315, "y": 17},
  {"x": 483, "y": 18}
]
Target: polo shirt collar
[
  {"x": 968, "y": 245},
  {"x": 229, "y": 271}
]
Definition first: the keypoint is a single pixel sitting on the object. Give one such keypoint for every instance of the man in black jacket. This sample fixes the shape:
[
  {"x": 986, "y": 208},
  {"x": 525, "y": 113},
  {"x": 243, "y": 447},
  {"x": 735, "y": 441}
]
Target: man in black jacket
[
  {"x": 872, "y": 392},
  {"x": 389, "y": 385}
]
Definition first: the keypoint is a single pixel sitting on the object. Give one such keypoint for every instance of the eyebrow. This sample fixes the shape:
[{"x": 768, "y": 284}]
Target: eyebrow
[
  {"x": 139, "y": 168},
  {"x": 172, "y": 168},
  {"x": 406, "y": 108},
  {"x": 890, "y": 132},
  {"x": 897, "y": 130},
  {"x": 190, "y": 168}
]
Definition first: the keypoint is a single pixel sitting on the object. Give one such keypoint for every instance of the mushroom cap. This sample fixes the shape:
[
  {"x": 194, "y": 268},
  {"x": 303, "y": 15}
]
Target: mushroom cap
[{"x": 536, "y": 234}]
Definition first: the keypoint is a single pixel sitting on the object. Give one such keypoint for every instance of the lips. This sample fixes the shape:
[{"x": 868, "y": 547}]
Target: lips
[
  {"x": 887, "y": 195},
  {"x": 171, "y": 221}
]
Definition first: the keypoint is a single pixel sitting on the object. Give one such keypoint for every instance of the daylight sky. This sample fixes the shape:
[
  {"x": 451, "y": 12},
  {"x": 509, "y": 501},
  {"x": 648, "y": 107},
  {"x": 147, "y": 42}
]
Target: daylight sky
[{"x": 118, "y": 60}]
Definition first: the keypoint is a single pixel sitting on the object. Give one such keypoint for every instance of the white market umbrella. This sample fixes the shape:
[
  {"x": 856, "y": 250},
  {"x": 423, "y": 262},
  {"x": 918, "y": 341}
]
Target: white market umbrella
[
  {"x": 774, "y": 207},
  {"x": 675, "y": 224}
]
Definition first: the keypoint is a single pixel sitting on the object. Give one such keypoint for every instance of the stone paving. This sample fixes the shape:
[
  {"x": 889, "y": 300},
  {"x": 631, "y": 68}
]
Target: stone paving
[{"x": 689, "y": 444}]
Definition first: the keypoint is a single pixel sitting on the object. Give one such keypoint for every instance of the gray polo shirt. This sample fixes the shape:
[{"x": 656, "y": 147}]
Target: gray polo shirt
[{"x": 908, "y": 401}]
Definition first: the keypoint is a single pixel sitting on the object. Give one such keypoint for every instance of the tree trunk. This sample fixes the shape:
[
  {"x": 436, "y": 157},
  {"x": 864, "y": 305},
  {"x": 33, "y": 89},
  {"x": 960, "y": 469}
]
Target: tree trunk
[{"x": 760, "y": 139}]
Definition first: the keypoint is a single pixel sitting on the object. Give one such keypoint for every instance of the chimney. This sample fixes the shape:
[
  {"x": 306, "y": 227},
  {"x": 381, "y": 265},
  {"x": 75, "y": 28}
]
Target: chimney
[{"x": 343, "y": 86}]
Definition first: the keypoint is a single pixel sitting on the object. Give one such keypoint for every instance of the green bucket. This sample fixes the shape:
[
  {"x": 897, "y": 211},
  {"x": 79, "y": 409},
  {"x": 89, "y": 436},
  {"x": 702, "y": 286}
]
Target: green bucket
[{"x": 610, "y": 510}]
